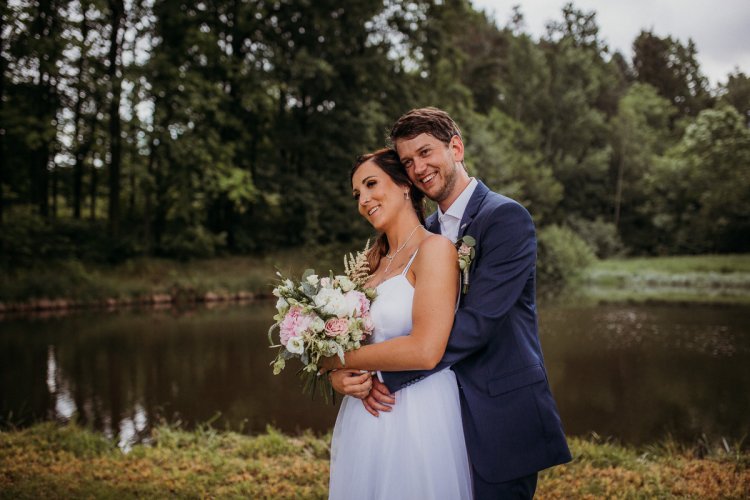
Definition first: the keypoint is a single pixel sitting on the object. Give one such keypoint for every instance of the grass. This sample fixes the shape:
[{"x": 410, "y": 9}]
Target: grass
[
  {"x": 714, "y": 279},
  {"x": 49, "y": 461},
  {"x": 690, "y": 279},
  {"x": 146, "y": 277}
]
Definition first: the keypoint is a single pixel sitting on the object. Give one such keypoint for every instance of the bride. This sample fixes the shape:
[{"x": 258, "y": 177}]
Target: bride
[{"x": 416, "y": 450}]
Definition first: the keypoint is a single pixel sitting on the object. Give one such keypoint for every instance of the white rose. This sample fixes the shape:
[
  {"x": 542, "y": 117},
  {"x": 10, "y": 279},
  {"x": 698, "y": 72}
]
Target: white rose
[
  {"x": 296, "y": 345},
  {"x": 325, "y": 282},
  {"x": 333, "y": 347},
  {"x": 345, "y": 283},
  {"x": 317, "y": 325},
  {"x": 312, "y": 279},
  {"x": 332, "y": 302}
]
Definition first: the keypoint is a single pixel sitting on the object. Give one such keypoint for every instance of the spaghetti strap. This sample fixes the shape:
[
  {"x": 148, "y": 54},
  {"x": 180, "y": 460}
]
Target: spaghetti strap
[{"x": 408, "y": 264}]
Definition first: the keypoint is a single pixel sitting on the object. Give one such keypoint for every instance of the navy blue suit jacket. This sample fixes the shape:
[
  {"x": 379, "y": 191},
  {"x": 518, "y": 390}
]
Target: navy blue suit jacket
[{"x": 511, "y": 423}]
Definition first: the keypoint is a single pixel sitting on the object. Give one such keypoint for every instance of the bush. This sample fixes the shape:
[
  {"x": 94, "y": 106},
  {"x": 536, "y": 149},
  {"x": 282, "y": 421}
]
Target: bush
[
  {"x": 563, "y": 255},
  {"x": 601, "y": 236},
  {"x": 29, "y": 240},
  {"x": 192, "y": 242}
]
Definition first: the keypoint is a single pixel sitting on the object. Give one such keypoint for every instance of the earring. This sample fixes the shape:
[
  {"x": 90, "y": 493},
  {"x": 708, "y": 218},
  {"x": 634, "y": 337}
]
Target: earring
[{"x": 406, "y": 195}]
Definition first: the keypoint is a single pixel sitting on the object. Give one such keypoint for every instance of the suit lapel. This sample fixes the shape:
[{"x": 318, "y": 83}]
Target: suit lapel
[{"x": 473, "y": 207}]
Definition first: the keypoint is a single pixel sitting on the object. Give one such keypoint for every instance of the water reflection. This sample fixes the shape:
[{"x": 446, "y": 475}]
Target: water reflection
[
  {"x": 641, "y": 373},
  {"x": 65, "y": 407},
  {"x": 636, "y": 373}
]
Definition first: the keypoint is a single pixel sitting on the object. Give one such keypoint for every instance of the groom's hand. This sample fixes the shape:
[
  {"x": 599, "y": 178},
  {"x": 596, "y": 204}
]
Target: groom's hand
[
  {"x": 379, "y": 399},
  {"x": 351, "y": 382}
]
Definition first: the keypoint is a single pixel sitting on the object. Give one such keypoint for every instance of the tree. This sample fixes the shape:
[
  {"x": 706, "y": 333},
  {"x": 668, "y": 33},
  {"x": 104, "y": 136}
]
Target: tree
[
  {"x": 673, "y": 69},
  {"x": 639, "y": 135},
  {"x": 700, "y": 194},
  {"x": 578, "y": 103},
  {"x": 116, "y": 11},
  {"x": 736, "y": 91}
]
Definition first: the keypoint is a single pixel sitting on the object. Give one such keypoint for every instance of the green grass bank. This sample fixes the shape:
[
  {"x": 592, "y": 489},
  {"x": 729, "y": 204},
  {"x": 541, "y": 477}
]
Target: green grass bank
[
  {"x": 688, "y": 279},
  {"x": 70, "y": 284},
  {"x": 48, "y": 461},
  {"x": 708, "y": 279}
]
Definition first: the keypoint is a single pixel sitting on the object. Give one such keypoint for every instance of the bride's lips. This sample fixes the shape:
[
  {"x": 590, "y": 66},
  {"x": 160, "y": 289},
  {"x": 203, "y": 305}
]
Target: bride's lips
[{"x": 373, "y": 210}]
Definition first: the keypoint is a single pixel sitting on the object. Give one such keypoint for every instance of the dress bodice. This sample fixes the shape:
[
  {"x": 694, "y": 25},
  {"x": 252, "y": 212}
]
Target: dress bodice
[{"x": 391, "y": 310}]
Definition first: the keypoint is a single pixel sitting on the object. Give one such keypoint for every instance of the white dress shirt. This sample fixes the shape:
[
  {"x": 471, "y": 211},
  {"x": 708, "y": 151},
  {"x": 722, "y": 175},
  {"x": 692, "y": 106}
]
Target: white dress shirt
[{"x": 451, "y": 219}]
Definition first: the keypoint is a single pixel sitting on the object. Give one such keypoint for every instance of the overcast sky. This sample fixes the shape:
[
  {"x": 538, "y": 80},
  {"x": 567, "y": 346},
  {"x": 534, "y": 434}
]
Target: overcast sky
[{"x": 719, "y": 28}]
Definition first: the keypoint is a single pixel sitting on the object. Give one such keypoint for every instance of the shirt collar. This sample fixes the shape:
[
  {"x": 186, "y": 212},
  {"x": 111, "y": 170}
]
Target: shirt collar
[{"x": 458, "y": 207}]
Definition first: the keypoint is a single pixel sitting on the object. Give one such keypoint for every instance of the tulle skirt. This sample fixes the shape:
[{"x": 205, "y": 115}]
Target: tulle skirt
[{"x": 415, "y": 451}]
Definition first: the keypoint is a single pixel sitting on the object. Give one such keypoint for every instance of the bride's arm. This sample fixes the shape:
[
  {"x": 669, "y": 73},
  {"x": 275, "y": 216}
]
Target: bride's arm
[{"x": 435, "y": 290}]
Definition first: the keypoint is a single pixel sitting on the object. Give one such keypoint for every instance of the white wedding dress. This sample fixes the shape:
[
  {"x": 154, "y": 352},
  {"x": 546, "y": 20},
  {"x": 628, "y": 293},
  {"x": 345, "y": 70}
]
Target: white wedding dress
[{"x": 415, "y": 451}]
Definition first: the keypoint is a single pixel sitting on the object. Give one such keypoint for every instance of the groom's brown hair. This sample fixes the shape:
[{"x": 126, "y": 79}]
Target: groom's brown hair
[{"x": 433, "y": 121}]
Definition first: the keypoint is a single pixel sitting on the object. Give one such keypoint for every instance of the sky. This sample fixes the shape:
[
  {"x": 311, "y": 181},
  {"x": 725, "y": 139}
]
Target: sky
[{"x": 719, "y": 28}]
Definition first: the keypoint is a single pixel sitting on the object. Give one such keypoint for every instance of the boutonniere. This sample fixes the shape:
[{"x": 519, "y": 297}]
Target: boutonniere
[{"x": 465, "y": 247}]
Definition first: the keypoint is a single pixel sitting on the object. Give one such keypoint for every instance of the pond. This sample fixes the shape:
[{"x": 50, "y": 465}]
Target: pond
[{"x": 636, "y": 373}]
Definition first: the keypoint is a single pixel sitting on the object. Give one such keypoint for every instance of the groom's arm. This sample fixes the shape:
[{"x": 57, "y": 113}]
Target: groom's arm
[{"x": 506, "y": 255}]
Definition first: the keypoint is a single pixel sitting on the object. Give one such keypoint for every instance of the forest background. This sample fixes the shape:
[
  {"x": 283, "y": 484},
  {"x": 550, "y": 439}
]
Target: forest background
[{"x": 187, "y": 130}]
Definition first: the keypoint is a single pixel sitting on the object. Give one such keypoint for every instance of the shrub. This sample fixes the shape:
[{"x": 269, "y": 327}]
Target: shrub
[
  {"x": 192, "y": 242},
  {"x": 562, "y": 256},
  {"x": 601, "y": 236}
]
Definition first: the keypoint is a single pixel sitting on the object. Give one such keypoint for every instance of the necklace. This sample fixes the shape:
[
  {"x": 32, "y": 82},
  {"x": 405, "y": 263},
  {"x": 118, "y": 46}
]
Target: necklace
[{"x": 401, "y": 247}]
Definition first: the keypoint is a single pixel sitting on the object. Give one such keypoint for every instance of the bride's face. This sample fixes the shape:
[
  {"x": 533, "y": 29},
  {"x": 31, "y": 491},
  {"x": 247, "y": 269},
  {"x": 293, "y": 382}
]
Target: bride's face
[{"x": 379, "y": 199}]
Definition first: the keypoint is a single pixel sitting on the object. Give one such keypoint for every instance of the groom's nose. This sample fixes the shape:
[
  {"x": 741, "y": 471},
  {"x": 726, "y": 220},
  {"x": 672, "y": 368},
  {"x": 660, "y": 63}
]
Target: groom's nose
[{"x": 418, "y": 164}]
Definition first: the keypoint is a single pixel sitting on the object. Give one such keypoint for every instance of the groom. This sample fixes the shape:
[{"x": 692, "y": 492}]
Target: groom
[{"x": 511, "y": 424}]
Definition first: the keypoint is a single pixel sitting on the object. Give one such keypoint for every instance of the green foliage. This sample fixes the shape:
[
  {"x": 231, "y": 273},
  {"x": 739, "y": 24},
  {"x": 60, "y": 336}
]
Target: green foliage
[
  {"x": 235, "y": 131},
  {"x": 562, "y": 257},
  {"x": 503, "y": 154},
  {"x": 191, "y": 242},
  {"x": 601, "y": 236},
  {"x": 700, "y": 191},
  {"x": 737, "y": 93},
  {"x": 673, "y": 69}
]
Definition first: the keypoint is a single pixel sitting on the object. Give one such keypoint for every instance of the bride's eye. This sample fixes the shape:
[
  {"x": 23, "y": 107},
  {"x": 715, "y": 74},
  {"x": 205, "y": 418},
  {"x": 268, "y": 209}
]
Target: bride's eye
[
  {"x": 370, "y": 184},
  {"x": 355, "y": 196}
]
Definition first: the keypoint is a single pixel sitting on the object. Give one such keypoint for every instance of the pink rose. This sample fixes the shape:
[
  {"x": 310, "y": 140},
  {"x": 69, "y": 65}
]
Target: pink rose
[
  {"x": 359, "y": 303},
  {"x": 336, "y": 327},
  {"x": 367, "y": 324},
  {"x": 294, "y": 324},
  {"x": 464, "y": 250}
]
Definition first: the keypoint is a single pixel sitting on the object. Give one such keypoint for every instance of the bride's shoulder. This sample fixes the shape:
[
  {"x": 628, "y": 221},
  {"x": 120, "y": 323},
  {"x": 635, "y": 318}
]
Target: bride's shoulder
[{"x": 435, "y": 247}]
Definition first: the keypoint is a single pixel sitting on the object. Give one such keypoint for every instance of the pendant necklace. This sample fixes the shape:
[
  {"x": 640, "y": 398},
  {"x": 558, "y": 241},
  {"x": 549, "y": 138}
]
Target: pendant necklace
[{"x": 401, "y": 247}]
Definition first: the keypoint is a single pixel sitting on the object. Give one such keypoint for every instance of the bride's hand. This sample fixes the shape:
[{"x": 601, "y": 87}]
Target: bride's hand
[{"x": 351, "y": 382}]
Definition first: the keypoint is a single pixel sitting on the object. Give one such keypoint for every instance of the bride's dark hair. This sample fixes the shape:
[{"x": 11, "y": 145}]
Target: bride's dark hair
[{"x": 387, "y": 160}]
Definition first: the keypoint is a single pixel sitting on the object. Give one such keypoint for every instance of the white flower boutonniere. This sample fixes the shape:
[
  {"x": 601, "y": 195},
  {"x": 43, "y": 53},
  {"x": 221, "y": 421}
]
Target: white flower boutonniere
[{"x": 466, "y": 252}]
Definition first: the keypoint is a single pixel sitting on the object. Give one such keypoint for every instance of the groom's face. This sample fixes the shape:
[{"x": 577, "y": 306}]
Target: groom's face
[{"x": 433, "y": 166}]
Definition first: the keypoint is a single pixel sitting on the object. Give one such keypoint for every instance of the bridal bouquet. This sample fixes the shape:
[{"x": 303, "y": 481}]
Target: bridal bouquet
[{"x": 321, "y": 317}]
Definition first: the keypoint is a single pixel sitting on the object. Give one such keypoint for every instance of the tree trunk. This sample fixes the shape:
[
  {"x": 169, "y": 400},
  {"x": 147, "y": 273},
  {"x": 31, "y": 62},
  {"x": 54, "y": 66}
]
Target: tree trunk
[
  {"x": 92, "y": 193},
  {"x": 3, "y": 154},
  {"x": 116, "y": 8},
  {"x": 79, "y": 142}
]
